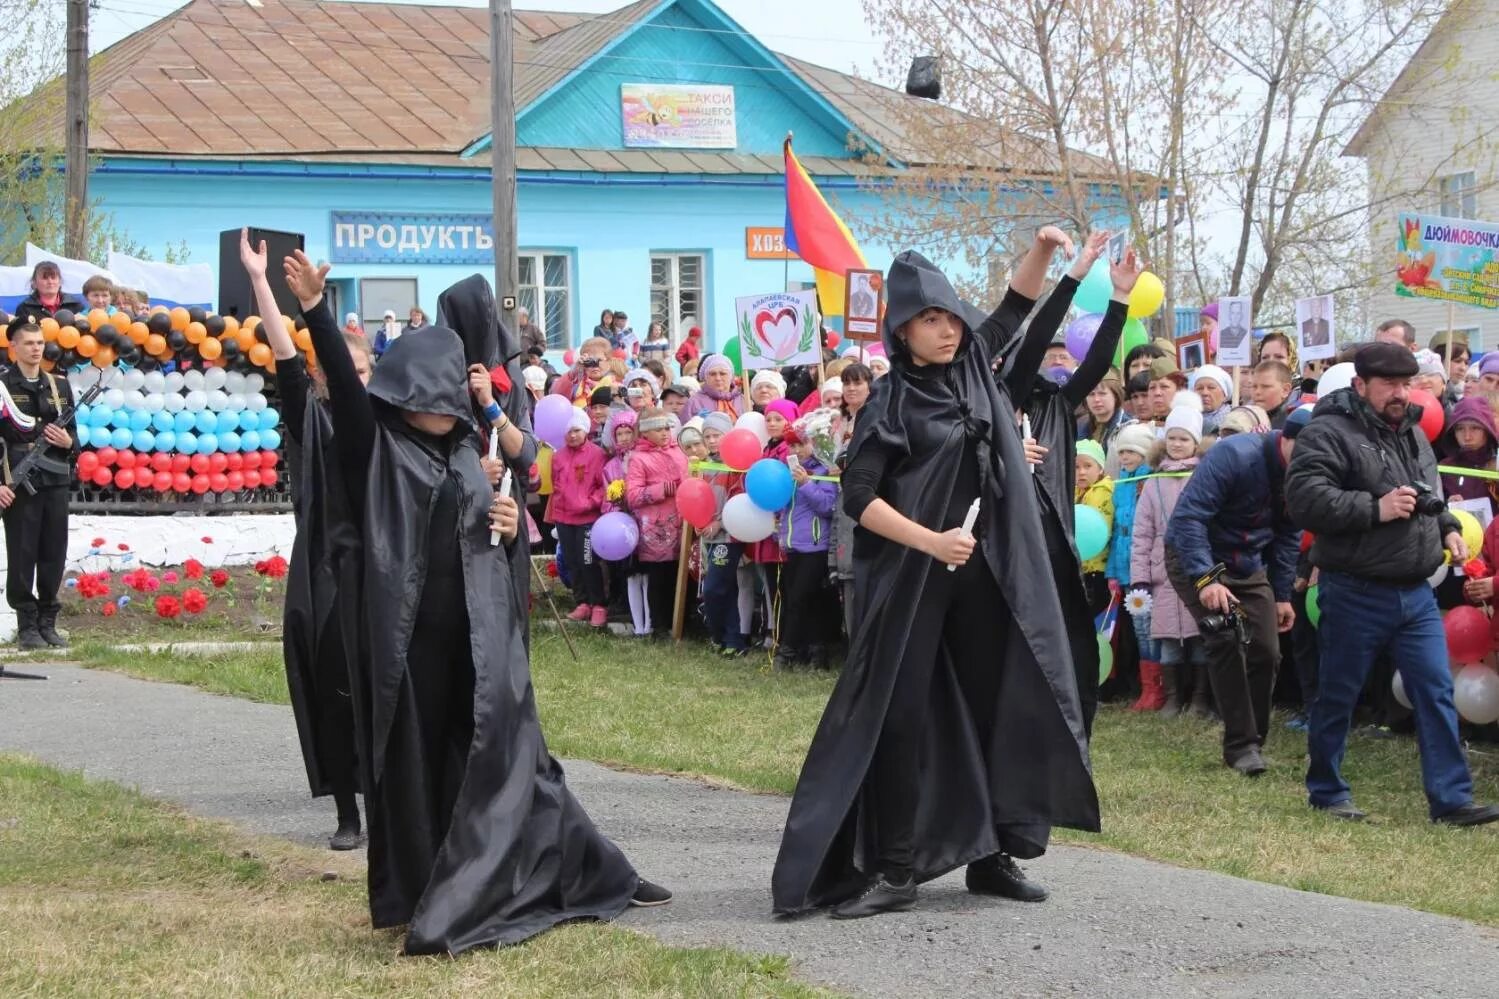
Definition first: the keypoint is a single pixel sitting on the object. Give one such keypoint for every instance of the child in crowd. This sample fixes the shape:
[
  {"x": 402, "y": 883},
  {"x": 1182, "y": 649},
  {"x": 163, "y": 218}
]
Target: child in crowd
[
  {"x": 690, "y": 440},
  {"x": 721, "y": 553},
  {"x": 656, "y": 470},
  {"x": 600, "y": 405},
  {"x": 626, "y": 580},
  {"x": 577, "y": 498},
  {"x": 766, "y": 556},
  {"x": 1128, "y": 456},
  {"x": 805, "y": 532},
  {"x": 1470, "y": 441},
  {"x": 1095, "y": 489},
  {"x": 1170, "y": 623}
]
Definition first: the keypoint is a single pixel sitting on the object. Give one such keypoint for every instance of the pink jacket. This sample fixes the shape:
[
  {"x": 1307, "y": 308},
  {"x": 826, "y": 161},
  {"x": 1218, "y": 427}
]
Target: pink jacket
[
  {"x": 651, "y": 483},
  {"x": 1147, "y": 558},
  {"x": 577, "y": 485},
  {"x": 769, "y": 551}
]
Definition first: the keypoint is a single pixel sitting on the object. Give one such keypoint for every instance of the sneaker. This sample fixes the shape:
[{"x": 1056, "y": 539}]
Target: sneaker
[
  {"x": 648, "y": 894},
  {"x": 1345, "y": 810},
  {"x": 1471, "y": 814},
  {"x": 1250, "y": 763},
  {"x": 732, "y": 653},
  {"x": 1297, "y": 722},
  {"x": 580, "y": 613},
  {"x": 600, "y": 617},
  {"x": 882, "y": 896},
  {"x": 1000, "y": 875}
]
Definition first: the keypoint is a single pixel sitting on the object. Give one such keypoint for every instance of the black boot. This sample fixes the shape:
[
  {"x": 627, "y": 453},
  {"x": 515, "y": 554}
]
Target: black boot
[
  {"x": 882, "y": 896},
  {"x": 46, "y": 626},
  {"x": 1171, "y": 686},
  {"x": 1000, "y": 875},
  {"x": 1202, "y": 697},
  {"x": 28, "y": 639},
  {"x": 348, "y": 835}
]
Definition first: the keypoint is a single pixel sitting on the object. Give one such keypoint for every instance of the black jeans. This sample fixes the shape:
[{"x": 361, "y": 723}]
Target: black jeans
[
  {"x": 36, "y": 549},
  {"x": 1243, "y": 677},
  {"x": 582, "y": 564},
  {"x": 661, "y": 593},
  {"x": 809, "y": 612}
]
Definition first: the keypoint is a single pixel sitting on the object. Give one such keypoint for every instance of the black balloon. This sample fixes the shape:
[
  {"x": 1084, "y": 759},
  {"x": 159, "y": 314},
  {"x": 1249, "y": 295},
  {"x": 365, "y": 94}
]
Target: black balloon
[
  {"x": 196, "y": 315},
  {"x": 260, "y": 333},
  {"x": 161, "y": 324},
  {"x": 80, "y": 323},
  {"x": 231, "y": 348},
  {"x": 64, "y": 317},
  {"x": 214, "y": 325},
  {"x": 68, "y": 358},
  {"x": 51, "y": 352},
  {"x": 176, "y": 341}
]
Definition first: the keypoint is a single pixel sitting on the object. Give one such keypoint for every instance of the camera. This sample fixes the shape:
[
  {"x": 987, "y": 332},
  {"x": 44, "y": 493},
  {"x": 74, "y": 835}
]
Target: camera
[
  {"x": 1213, "y": 624},
  {"x": 1428, "y": 503},
  {"x": 590, "y": 362}
]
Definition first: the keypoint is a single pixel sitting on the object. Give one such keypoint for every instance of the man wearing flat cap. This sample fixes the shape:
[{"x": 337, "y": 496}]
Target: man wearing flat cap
[{"x": 1364, "y": 481}]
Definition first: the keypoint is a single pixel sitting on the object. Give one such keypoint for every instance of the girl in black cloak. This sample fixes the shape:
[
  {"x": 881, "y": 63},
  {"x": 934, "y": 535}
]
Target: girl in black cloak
[
  {"x": 474, "y": 838},
  {"x": 954, "y": 735}
]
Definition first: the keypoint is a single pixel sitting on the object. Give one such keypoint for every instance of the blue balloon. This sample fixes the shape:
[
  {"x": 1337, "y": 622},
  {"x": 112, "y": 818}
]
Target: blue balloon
[
  {"x": 143, "y": 441},
  {"x": 184, "y": 421},
  {"x": 82, "y": 412},
  {"x": 1092, "y": 532},
  {"x": 1095, "y": 289},
  {"x": 161, "y": 421},
  {"x": 207, "y": 422},
  {"x": 100, "y": 416},
  {"x": 187, "y": 443},
  {"x": 120, "y": 438},
  {"x": 269, "y": 419},
  {"x": 226, "y": 420},
  {"x": 270, "y": 440},
  {"x": 229, "y": 442},
  {"x": 139, "y": 419},
  {"x": 249, "y": 440},
  {"x": 83, "y": 433},
  {"x": 208, "y": 443},
  {"x": 166, "y": 441},
  {"x": 769, "y": 484}
]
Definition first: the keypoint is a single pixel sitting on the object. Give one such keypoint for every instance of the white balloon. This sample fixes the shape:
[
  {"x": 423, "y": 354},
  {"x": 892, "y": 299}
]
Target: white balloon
[
  {"x": 114, "y": 398},
  {"x": 254, "y": 382},
  {"x": 134, "y": 379},
  {"x": 217, "y": 400},
  {"x": 235, "y": 402},
  {"x": 155, "y": 381},
  {"x": 746, "y": 522},
  {"x": 134, "y": 399},
  {"x": 1339, "y": 376},
  {"x": 1476, "y": 694},
  {"x": 86, "y": 379},
  {"x": 173, "y": 402},
  {"x": 196, "y": 401},
  {"x": 214, "y": 378},
  {"x": 755, "y": 424},
  {"x": 172, "y": 381},
  {"x": 234, "y": 382},
  {"x": 1440, "y": 576},
  {"x": 255, "y": 403},
  {"x": 1397, "y": 687},
  {"x": 155, "y": 402},
  {"x": 193, "y": 380}
]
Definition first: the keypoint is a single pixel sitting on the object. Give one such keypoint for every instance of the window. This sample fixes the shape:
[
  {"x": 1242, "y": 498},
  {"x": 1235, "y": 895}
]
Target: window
[
  {"x": 378, "y": 294},
  {"x": 677, "y": 292},
  {"x": 1459, "y": 195},
  {"x": 1473, "y": 333},
  {"x": 546, "y": 293}
]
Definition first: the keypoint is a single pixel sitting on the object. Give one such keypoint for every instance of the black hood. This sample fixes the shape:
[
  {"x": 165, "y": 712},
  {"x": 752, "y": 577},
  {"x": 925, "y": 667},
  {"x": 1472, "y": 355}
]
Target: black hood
[
  {"x": 424, "y": 373},
  {"x": 468, "y": 308},
  {"x": 913, "y": 285}
]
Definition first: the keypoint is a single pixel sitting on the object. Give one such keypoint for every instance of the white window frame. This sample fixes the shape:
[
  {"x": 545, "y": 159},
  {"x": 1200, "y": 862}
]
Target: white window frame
[
  {"x": 1458, "y": 195},
  {"x": 676, "y": 329},
  {"x": 542, "y": 290}
]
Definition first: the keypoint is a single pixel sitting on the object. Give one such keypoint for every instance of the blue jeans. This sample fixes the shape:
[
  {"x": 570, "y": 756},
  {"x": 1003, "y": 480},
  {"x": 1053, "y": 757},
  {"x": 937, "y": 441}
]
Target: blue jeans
[
  {"x": 1360, "y": 620},
  {"x": 721, "y": 592}
]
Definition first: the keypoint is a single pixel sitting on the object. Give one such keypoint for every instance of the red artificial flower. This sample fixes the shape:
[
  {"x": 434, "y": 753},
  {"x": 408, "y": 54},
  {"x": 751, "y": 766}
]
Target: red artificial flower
[
  {"x": 109, "y": 610},
  {"x": 170, "y": 578},
  {"x": 219, "y": 578},
  {"x": 168, "y": 607},
  {"x": 552, "y": 569},
  {"x": 194, "y": 600},
  {"x": 192, "y": 569},
  {"x": 93, "y": 585},
  {"x": 206, "y": 540},
  {"x": 274, "y": 567},
  {"x": 97, "y": 543},
  {"x": 152, "y": 584},
  {"x": 122, "y": 546},
  {"x": 1476, "y": 568},
  {"x": 136, "y": 580}
]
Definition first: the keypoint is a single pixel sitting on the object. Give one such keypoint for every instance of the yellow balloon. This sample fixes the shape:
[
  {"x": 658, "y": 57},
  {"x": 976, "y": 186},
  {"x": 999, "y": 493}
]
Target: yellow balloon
[
  {"x": 1148, "y": 297},
  {"x": 1472, "y": 531}
]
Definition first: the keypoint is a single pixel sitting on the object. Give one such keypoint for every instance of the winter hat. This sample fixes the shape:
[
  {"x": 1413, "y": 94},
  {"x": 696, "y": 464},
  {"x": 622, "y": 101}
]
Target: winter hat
[
  {"x": 713, "y": 362},
  {"x": 690, "y": 383},
  {"x": 785, "y": 407},
  {"x": 1136, "y": 437},
  {"x": 1490, "y": 364},
  {"x": 1247, "y": 419},
  {"x": 602, "y": 396},
  {"x": 618, "y": 418},
  {"x": 1217, "y": 374},
  {"x": 534, "y": 377},
  {"x": 579, "y": 421},
  {"x": 1429, "y": 362},
  {"x": 1385, "y": 360},
  {"x": 771, "y": 378},
  {"x": 642, "y": 375},
  {"x": 1296, "y": 420},
  {"x": 1186, "y": 414},
  {"x": 721, "y": 422},
  {"x": 834, "y": 384},
  {"x": 696, "y": 423},
  {"x": 878, "y": 363},
  {"x": 689, "y": 436},
  {"x": 1091, "y": 449},
  {"x": 677, "y": 388}
]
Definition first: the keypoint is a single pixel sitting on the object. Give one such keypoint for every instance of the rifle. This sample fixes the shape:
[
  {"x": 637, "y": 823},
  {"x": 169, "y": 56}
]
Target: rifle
[{"x": 37, "y": 458}]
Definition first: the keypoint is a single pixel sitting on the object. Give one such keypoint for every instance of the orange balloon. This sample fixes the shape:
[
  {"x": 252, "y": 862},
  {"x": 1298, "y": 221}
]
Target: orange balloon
[
  {"x": 303, "y": 340},
  {"x": 252, "y": 324},
  {"x": 245, "y": 337},
  {"x": 138, "y": 333},
  {"x": 156, "y": 309},
  {"x": 4, "y": 336},
  {"x": 290, "y": 324},
  {"x": 67, "y": 337},
  {"x": 260, "y": 355},
  {"x": 210, "y": 349},
  {"x": 231, "y": 325},
  {"x": 97, "y": 318},
  {"x": 120, "y": 320},
  {"x": 47, "y": 365},
  {"x": 195, "y": 332},
  {"x": 87, "y": 345},
  {"x": 180, "y": 319},
  {"x": 104, "y": 357},
  {"x": 49, "y": 328},
  {"x": 156, "y": 344},
  {"x": 311, "y": 358}
]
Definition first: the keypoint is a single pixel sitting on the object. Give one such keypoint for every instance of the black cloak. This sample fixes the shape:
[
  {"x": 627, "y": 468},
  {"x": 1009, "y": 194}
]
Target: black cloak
[
  {"x": 516, "y": 854},
  {"x": 978, "y": 799}
]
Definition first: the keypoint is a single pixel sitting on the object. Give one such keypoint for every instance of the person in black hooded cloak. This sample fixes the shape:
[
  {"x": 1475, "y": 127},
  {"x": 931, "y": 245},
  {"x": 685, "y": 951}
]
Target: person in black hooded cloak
[
  {"x": 1052, "y": 409},
  {"x": 474, "y": 838},
  {"x": 954, "y": 735},
  {"x": 317, "y": 672}
]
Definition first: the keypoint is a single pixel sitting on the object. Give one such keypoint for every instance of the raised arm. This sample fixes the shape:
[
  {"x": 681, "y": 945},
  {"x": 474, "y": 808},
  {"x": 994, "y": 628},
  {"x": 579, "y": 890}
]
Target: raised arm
[
  {"x": 1085, "y": 379},
  {"x": 1023, "y": 365},
  {"x": 291, "y": 372}
]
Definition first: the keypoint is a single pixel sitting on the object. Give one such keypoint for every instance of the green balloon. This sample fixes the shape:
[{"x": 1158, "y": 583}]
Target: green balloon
[
  {"x": 1095, "y": 289},
  {"x": 1134, "y": 335},
  {"x": 1105, "y": 657},
  {"x": 1313, "y": 605},
  {"x": 1092, "y": 532},
  {"x": 731, "y": 351}
]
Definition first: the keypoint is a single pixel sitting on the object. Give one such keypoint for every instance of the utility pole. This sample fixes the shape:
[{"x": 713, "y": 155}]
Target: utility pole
[
  {"x": 502, "y": 158},
  {"x": 75, "y": 237}
]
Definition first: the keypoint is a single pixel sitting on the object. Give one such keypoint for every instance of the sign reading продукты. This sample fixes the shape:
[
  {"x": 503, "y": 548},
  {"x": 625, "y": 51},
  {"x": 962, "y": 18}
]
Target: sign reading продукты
[
  {"x": 1451, "y": 260},
  {"x": 394, "y": 237}
]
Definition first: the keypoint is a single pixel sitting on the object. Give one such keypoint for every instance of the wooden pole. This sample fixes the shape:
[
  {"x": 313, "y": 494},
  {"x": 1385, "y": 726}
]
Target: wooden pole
[
  {"x": 1447, "y": 360},
  {"x": 502, "y": 160},
  {"x": 1236, "y": 384},
  {"x": 75, "y": 235},
  {"x": 679, "y": 602}
]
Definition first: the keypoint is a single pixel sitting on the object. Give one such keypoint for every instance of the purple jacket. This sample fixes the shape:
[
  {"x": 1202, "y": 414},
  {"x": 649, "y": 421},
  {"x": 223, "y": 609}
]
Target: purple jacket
[
  {"x": 1473, "y": 409},
  {"x": 807, "y": 526}
]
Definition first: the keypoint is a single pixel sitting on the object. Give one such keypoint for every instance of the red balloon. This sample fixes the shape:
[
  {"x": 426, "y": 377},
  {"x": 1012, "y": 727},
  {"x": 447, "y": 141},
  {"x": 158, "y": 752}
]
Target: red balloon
[
  {"x": 252, "y": 460},
  {"x": 218, "y": 481},
  {"x": 217, "y": 462},
  {"x": 696, "y": 503},
  {"x": 180, "y": 464},
  {"x": 834, "y": 339},
  {"x": 125, "y": 478},
  {"x": 234, "y": 461},
  {"x": 88, "y": 461},
  {"x": 267, "y": 459},
  {"x": 200, "y": 484},
  {"x": 181, "y": 481},
  {"x": 267, "y": 477},
  {"x": 107, "y": 455},
  {"x": 162, "y": 482},
  {"x": 161, "y": 462},
  {"x": 125, "y": 459},
  {"x": 1432, "y": 417},
  {"x": 1468, "y": 639},
  {"x": 252, "y": 478},
  {"x": 103, "y": 476},
  {"x": 198, "y": 463},
  {"x": 569, "y": 358},
  {"x": 740, "y": 448},
  {"x": 619, "y": 354},
  {"x": 236, "y": 481}
]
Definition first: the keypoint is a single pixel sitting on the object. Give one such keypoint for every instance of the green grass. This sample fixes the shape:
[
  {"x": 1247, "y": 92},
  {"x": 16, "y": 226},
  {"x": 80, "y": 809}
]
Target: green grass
[
  {"x": 104, "y": 893},
  {"x": 667, "y": 709}
]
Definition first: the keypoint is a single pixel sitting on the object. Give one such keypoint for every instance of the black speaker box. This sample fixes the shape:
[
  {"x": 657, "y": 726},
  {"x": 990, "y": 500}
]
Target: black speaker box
[{"x": 236, "y": 298}]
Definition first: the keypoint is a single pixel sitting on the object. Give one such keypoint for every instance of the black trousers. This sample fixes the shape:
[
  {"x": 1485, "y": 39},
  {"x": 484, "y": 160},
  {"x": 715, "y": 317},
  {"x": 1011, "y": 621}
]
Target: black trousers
[
  {"x": 660, "y": 593},
  {"x": 587, "y": 573},
  {"x": 1077, "y": 616},
  {"x": 964, "y": 613},
  {"x": 1243, "y": 677},
  {"x": 809, "y": 610},
  {"x": 36, "y": 549}
]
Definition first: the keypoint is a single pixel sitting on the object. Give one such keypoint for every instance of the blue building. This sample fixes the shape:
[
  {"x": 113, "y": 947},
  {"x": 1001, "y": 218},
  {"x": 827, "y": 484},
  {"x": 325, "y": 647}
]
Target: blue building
[{"x": 649, "y": 160}]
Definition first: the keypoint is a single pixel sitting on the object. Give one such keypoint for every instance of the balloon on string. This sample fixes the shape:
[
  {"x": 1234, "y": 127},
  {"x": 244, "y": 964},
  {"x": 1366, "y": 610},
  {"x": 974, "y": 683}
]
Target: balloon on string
[
  {"x": 1335, "y": 378},
  {"x": 1080, "y": 334},
  {"x": 1092, "y": 531},
  {"x": 1105, "y": 657},
  {"x": 745, "y": 521},
  {"x": 769, "y": 484},
  {"x": 1471, "y": 528},
  {"x": 732, "y": 350},
  {"x": 755, "y": 424},
  {"x": 1475, "y": 692},
  {"x": 1134, "y": 335},
  {"x": 1467, "y": 630},
  {"x": 740, "y": 448},
  {"x": 551, "y": 419},
  {"x": 1147, "y": 297},
  {"x": 1432, "y": 416},
  {"x": 1095, "y": 289},
  {"x": 615, "y": 536},
  {"x": 696, "y": 502}
]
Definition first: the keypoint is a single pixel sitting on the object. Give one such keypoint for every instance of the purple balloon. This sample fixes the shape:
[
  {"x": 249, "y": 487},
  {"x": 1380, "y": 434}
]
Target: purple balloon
[
  {"x": 614, "y": 536},
  {"x": 1081, "y": 332},
  {"x": 551, "y": 419}
]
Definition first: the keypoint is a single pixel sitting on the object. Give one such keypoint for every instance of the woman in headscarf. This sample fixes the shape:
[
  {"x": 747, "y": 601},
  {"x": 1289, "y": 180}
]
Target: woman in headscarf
[{"x": 720, "y": 393}]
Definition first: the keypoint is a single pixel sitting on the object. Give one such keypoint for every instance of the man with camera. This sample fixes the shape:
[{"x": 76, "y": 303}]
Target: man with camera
[
  {"x": 1231, "y": 556},
  {"x": 1362, "y": 482}
]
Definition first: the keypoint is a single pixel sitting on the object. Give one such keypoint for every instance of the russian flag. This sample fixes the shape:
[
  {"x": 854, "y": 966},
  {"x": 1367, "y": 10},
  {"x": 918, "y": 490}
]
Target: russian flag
[{"x": 815, "y": 233}]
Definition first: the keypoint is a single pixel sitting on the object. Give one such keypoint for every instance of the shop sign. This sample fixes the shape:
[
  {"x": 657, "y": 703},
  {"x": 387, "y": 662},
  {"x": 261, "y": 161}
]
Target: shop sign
[
  {"x": 674, "y": 116},
  {"x": 406, "y": 238},
  {"x": 766, "y": 243}
]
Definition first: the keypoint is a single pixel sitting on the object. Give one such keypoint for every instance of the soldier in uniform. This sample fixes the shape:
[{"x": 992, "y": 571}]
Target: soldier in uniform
[{"x": 36, "y": 523}]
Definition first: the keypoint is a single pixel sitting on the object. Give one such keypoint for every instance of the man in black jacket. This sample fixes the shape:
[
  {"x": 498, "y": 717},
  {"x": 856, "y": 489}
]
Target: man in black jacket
[{"x": 1359, "y": 481}]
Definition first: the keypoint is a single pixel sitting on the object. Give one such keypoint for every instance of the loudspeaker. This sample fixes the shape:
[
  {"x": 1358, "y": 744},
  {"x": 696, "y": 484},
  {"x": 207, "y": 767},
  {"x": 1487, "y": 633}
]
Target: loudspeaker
[{"x": 236, "y": 298}]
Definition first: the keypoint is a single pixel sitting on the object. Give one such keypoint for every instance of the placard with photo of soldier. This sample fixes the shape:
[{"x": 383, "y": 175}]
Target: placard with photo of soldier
[{"x": 1315, "y": 336}]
